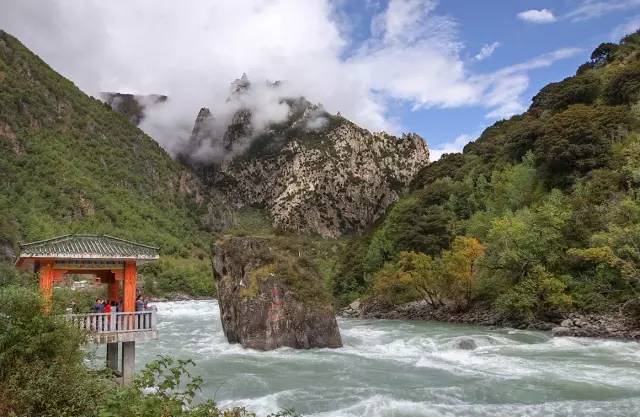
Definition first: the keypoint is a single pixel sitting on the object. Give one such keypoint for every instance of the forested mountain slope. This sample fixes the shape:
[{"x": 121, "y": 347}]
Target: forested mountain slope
[
  {"x": 70, "y": 164},
  {"x": 538, "y": 217}
]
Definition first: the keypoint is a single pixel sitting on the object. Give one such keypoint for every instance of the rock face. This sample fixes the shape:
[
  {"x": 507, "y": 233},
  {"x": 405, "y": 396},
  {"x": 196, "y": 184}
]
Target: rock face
[
  {"x": 314, "y": 172},
  {"x": 270, "y": 297}
]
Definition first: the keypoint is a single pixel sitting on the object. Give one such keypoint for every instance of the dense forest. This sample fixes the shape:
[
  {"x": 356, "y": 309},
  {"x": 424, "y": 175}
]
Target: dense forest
[{"x": 538, "y": 217}]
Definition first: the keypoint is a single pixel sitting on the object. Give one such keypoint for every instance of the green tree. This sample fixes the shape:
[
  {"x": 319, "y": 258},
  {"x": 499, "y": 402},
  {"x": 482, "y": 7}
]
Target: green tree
[
  {"x": 540, "y": 295},
  {"x": 518, "y": 242},
  {"x": 458, "y": 269},
  {"x": 578, "y": 140}
]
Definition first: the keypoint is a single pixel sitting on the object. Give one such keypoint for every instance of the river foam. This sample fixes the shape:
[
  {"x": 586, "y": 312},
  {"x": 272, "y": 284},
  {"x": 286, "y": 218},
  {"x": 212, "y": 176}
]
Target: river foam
[{"x": 397, "y": 368}]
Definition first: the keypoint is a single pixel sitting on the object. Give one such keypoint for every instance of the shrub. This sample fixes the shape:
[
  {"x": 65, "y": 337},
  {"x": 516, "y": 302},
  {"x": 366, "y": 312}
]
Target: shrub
[
  {"x": 41, "y": 368},
  {"x": 540, "y": 295}
]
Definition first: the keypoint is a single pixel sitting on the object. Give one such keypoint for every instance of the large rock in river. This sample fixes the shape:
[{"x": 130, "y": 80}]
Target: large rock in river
[{"x": 270, "y": 295}]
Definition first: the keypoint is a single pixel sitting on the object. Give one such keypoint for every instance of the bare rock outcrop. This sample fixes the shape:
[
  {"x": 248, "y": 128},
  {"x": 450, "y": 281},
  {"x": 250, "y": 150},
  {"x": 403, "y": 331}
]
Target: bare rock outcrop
[
  {"x": 314, "y": 172},
  {"x": 271, "y": 296}
]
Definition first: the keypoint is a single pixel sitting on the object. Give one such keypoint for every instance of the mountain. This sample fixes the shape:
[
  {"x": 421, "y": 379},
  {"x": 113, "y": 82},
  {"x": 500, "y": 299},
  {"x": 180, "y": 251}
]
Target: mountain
[
  {"x": 70, "y": 164},
  {"x": 537, "y": 219},
  {"x": 313, "y": 172}
]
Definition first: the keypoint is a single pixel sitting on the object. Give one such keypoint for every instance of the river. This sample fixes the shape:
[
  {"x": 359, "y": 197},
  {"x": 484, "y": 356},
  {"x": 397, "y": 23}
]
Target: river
[{"x": 400, "y": 368}]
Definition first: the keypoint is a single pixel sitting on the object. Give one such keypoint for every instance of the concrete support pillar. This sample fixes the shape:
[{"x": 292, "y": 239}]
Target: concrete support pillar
[
  {"x": 112, "y": 356},
  {"x": 128, "y": 362}
]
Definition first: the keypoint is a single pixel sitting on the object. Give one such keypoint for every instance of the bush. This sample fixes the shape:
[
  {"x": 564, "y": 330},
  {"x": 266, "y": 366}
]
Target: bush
[
  {"x": 41, "y": 369},
  {"x": 624, "y": 85},
  {"x": 447, "y": 280},
  {"x": 541, "y": 295}
]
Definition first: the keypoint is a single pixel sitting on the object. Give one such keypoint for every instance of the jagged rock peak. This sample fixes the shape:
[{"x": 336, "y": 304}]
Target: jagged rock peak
[
  {"x": 240, "y": 85},
  {"x": 202, "y": 128}
]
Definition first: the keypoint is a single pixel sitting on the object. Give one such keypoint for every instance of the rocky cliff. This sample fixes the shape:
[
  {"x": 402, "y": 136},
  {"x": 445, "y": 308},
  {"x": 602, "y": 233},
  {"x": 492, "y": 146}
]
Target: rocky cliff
[
  {"x": 271, "y": 296},
  {"x": 313, "y": 171}
]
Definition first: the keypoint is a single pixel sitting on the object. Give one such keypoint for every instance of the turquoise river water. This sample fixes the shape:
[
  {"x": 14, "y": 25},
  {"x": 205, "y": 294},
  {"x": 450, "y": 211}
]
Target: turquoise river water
[{"x": 401, "y": 368}]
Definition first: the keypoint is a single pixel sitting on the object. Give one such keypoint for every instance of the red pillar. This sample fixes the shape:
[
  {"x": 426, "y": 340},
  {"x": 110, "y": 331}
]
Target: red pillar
[
  {"x": 113, "y": 289},
  {"x": 46, "y": 284},
  {"x": 130, "y": 276}
]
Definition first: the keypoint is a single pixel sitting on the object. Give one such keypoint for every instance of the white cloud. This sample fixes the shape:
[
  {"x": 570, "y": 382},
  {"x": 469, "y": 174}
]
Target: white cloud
[
  {"x": 192, "y": 53},
  {"x": 537, "y": 16},
  {"x": 450, "y": 147},
  {"x": 590, "y": 9},
  {"x": 630, "y": 26},
  {"x": 486, "y": 51},
  {"x": 504, "y": 89}
]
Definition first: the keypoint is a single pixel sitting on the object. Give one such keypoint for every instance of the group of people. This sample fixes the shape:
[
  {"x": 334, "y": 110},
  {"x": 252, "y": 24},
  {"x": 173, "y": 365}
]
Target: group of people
[{"x": 105, "y": 306}]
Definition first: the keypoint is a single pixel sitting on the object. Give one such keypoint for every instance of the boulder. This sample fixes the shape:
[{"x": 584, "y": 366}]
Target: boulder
[
  {"x": 270, "y": 295},
  {"x": 466, "y": 344}
]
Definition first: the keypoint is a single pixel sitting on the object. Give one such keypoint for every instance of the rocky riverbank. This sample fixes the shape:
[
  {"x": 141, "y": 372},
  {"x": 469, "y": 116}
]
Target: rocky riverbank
[{"x": 619, "y": 324}]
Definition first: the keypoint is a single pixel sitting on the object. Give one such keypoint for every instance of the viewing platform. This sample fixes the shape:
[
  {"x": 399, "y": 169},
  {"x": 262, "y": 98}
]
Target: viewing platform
[
  {"x": 103, "y": 328},
  {"x": 113, "y": 262}
]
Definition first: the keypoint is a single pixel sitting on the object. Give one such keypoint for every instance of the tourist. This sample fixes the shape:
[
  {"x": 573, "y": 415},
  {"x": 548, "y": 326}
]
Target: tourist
[{"x": 98, "y": 307}]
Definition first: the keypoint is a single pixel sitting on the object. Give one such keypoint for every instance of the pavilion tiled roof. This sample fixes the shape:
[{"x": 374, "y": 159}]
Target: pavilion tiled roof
[{"x": 88, "y": 246}]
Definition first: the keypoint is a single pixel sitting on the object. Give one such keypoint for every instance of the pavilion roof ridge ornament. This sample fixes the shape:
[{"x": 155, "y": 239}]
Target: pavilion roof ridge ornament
[{"x": 88, "y": 246}]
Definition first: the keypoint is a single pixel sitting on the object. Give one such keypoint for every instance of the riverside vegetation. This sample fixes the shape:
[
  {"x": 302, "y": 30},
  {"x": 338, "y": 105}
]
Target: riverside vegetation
[{"x": 539, "y": 217}]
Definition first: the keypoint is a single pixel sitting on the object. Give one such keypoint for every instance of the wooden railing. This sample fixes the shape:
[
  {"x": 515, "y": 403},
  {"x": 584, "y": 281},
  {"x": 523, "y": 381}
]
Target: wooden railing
[{"x": 139, "y": 321}]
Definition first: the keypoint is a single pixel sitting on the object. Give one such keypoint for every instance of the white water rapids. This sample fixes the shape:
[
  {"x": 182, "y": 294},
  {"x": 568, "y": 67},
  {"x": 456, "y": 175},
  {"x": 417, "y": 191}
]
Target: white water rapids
[{"x": 400, "y": 368}]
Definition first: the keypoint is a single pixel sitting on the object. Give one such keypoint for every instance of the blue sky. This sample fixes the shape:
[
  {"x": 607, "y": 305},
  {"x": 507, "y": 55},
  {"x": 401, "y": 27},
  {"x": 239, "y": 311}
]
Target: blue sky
[
  {"x": 445, "y": 69},
  {"x": 576, "y": 24}
]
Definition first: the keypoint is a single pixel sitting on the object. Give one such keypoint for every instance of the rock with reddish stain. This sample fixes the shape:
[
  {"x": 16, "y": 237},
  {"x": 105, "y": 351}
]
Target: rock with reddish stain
[{"x": 262, "y": 306}]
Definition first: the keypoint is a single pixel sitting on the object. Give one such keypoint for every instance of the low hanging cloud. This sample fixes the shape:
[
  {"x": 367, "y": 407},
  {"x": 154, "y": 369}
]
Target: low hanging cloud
[
  {"x": 414, "y": 56},
  {"x": 537, "y": 16}
]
